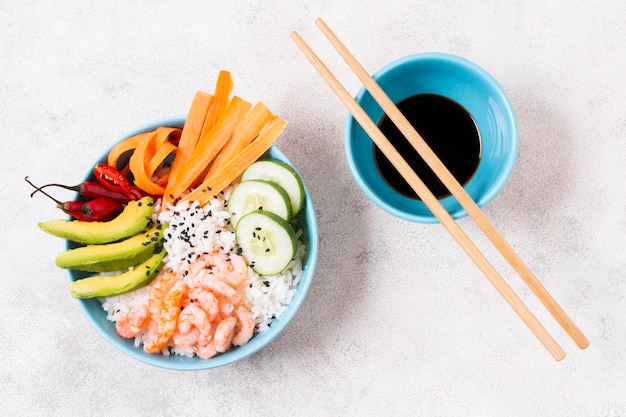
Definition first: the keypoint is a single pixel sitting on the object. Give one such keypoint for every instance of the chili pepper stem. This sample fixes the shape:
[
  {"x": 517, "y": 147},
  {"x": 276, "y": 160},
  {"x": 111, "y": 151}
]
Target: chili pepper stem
[
  {"x": 59, "y": 204},
  {"x": 67, "y": 187}
]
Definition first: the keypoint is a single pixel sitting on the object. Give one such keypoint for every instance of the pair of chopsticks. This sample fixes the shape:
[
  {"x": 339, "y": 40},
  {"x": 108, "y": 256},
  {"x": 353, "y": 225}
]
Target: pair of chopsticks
[{"x": 455, "y": 189}]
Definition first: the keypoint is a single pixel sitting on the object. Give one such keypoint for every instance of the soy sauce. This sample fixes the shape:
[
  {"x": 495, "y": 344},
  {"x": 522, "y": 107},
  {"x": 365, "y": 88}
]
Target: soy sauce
[{"x": 449, "y": 130}]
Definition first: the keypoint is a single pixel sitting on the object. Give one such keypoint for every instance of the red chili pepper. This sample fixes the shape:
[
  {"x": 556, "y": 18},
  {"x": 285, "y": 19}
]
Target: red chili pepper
[
  {"x": 73, "y": 208},
  {"x": 114, "y": 180},
  {"x": 101, "y": 209},
  {"x": 92, "y": 189},
  {"x": 98, "y": 209}
]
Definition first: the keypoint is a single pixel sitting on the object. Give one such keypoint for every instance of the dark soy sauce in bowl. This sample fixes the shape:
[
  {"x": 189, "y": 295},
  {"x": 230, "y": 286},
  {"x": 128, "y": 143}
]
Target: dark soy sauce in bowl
[{"x": 447, "y": 128}]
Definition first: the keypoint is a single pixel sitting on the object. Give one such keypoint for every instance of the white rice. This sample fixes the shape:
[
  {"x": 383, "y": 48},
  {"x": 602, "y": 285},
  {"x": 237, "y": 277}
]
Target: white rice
[{"x": 194, "y": 230}]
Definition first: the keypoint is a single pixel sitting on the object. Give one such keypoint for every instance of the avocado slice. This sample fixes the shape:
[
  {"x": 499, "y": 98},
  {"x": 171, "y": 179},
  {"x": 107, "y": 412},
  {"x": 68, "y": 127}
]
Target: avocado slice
[
  {"x": 129, "y": 222},
  {"x": 116, "y": 256},
  {"x": 107, "y": 285}
]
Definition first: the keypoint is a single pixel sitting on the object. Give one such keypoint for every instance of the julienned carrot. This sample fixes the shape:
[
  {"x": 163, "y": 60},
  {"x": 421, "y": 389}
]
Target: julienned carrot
[
  {"x": 246, "y": 131},
  {"x": 128, "y": 144},
  {"x": 223, "y": 88},
  {"x": 142, "y": 153},
  {"x": 235, "y": 166},
  {"x": 191, "y": 131},
  {"x": 162, "y": 152},
  {"x": 208, "y": 146}
]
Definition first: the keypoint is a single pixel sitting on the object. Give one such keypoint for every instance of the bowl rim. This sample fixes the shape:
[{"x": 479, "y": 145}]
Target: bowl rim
[
  {"x": 260, "y": 340},
  {"x": 509, "y": 112}
]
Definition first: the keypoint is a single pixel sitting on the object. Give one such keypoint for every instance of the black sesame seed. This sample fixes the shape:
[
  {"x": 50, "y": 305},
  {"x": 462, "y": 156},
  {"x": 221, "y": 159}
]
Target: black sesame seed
[{"x": 139, "y": 203}]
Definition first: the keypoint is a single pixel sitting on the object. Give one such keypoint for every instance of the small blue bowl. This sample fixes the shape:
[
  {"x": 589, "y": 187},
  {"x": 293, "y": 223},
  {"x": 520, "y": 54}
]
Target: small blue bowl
[
  {"x": 461, "y": 81},
  {"x": 306, "y": 220}
]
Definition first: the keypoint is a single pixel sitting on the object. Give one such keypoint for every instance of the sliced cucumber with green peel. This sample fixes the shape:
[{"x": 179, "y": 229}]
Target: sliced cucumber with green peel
[
  {"x": 256, "y": 195},
  {"x": 267, "y": 242},
  {"x": 282, "y": 174}
]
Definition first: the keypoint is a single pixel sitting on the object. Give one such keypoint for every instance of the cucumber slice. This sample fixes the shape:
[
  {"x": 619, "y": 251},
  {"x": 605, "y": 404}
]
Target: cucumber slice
[
  {"x": 282, "y": 174},
  {"x": 258, "y": 195},
  {"x": 267, "y": 242}
]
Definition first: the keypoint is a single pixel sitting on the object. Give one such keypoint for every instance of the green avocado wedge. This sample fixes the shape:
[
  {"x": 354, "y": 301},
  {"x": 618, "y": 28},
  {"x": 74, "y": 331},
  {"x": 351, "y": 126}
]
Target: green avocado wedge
[
  {"x": 116, "y": 256},
  {"x": 132, "y": 220},
  {"x": 108, "y": 285}
]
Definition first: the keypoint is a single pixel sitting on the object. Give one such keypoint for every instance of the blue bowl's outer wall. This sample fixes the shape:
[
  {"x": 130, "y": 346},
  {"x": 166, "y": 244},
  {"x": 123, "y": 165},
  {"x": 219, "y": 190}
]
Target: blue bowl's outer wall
[
  {"x": 469, "y": 85},
  {"x": 97, "y": 316}
]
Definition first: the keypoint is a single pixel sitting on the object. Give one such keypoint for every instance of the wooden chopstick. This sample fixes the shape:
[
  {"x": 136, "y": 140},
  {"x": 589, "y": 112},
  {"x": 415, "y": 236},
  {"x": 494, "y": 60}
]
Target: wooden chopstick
[
  {"x": 423, "y": 192},
  {"x": 456, "y": 189}
]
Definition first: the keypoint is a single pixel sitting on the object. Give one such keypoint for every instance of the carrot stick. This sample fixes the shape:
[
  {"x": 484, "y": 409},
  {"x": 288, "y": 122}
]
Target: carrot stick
[
  {"x": 159, "y": 156},
  {"x": 223, "y": 88},
  {"x": 126, "y": 145},
  {"x": 246, "y": 131},
  {"x": 235, "y": 167},
  {"x": 138, "y": 165},
  {"x": 208, "y": 146},
  {"x": 191, "y": 131}
]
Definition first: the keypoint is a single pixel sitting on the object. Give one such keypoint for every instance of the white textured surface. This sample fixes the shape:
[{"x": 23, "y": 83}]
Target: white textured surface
[{"x": 398, "y": 321}]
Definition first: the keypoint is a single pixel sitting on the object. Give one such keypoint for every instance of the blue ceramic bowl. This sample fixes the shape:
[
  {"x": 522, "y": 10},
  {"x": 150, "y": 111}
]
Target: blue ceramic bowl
[
  {"x": 306, "y": 220},
  {"x": 471, "y": 87}
]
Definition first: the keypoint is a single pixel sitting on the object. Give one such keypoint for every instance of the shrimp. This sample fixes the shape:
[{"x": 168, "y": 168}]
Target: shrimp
[
  {"x": 186, "y": 342},
  {"x": 245, "y": 322},
  {"x": 220, "y": 288},
  {"x": 206, "y": 299},
  {"x": 195, "y": 332},
  {"x": 224, "y": 334},
  {"x": 160, "y": 288},
  {"x": 226, "y": 309},
  {"x": 192, "y": 316},
  {"x": 206, "y": 351},
  {"x": 132, "y": 323},
  {"x": 230, "y": 268},
  {"x": 167, "y": 318}
]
